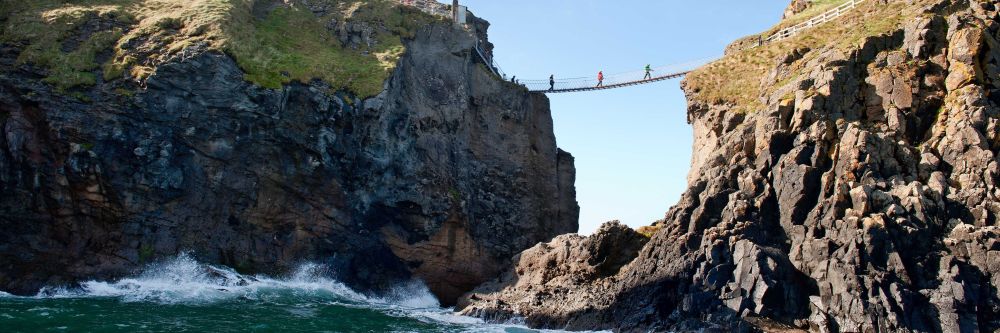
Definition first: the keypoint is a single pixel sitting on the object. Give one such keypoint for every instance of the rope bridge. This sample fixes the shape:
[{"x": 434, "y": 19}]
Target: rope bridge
[
  {"x": 565, "y": 85},
  {"x": 611, "y": 81}
]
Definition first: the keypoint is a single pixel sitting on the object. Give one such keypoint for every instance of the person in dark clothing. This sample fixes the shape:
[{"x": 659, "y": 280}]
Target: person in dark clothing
[
  {"x": 513, "y": 79},
  {"x": 552, "y": 82},
  {"x": 649, "y": 73}
]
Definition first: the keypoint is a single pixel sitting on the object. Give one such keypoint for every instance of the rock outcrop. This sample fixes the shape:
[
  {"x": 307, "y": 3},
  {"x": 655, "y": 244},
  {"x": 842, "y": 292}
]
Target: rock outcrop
[
  {"x": 443, "y": 176},
  {"x": 796, "y": 7},
  {"x": 549, "y": 271},
  {"x": 855, "y": 189}
]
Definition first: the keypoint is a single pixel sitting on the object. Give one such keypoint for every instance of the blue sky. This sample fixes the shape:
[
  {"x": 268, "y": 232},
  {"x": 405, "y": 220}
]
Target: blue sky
[{"x": 632, "y": 145}]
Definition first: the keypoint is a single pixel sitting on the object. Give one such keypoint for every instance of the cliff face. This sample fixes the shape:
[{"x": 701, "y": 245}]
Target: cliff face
[
  {"x": 443, "y": 176},
  {"x": 848, "y": 184}
]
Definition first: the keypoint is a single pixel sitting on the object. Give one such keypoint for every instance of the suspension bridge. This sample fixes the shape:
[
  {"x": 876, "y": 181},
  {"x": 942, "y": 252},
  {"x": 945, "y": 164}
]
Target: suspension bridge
[
  {"x": 663, "y": 73},
  {"x": 610, "y": 81}
]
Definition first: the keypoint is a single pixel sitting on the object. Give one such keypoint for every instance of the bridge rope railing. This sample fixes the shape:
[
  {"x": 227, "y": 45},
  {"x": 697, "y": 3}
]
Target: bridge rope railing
[
  {"x": 614, "y": 79},
  {"x": 488, "y": 60}
]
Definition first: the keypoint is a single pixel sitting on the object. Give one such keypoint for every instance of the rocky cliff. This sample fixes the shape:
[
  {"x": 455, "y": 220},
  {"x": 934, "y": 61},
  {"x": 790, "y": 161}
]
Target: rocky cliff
[
  {"x": 175, "y": 139},
  {"x": 844, "y": 180}
]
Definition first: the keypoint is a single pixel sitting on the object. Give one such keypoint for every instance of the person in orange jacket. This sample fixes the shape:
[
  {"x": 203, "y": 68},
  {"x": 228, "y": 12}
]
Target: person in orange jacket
[{"x": 600, "y": 78}]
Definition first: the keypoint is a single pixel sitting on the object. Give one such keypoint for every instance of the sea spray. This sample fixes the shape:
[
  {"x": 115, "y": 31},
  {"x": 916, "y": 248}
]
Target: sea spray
[
  {"x": 181, "y": 294},
  {"x": 185, "y": 280}
]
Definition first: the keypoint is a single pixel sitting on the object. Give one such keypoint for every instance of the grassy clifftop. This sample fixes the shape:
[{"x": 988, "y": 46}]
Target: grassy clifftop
[
  {"x": 275, "y": 42},
  {"x": 741, "y": 79}
]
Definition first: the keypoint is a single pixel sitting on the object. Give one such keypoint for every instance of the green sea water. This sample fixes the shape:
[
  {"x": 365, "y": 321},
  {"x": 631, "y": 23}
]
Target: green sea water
[
  {"x": 182, "y": 295},
  {"x": 112, "y": 315}
]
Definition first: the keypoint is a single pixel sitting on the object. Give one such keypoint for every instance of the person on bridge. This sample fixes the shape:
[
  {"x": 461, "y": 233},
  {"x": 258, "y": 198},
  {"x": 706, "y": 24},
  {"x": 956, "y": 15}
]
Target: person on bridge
[
  {"x": 552, "y": 82},
  {"x": 649, "y": 73},
  {"x": 600, "y": 78}
]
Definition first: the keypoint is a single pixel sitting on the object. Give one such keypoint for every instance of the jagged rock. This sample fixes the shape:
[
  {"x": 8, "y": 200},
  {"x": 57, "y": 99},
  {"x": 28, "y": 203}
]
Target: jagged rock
[
  {"x": 558, "y": 267},
  {"x": 862, "y": 197},
  {"x": 963, "y": 54}
]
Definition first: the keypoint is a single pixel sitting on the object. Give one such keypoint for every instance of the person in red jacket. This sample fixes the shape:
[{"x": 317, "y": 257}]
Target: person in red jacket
[{"x": 600, "y": 78}]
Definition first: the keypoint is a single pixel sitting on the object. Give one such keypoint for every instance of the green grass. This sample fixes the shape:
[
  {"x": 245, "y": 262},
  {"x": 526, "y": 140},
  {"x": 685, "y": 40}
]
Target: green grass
[
  {"x": 46, "y": 28},
  {"x": 289, "y": 44},
  {"x": 736, "y": 79},
  {"x": 271, "y": 59}
]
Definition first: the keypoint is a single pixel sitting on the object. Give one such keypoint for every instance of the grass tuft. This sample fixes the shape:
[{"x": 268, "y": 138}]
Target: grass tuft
[{"x": 649, "y": 230}]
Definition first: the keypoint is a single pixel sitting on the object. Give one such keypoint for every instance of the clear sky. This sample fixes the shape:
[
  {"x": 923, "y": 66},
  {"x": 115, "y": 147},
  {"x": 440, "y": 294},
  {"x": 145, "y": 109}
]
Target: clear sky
[{"x": 632, "y": 145}]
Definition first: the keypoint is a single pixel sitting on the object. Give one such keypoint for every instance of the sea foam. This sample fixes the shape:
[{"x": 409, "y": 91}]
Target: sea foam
[{"x": 184, "y": 280}]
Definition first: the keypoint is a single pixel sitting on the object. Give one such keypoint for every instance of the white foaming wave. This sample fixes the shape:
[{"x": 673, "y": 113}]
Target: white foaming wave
[
  {"x": 185, "y": 280},
  {"x": 447, "y": 317},
  {"x": 411, "y": 295},
  {"x": 414, "y": 300}
]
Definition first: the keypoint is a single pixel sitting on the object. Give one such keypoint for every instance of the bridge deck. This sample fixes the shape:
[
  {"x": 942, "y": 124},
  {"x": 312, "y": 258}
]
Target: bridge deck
[{"x": 614, "y": 85}]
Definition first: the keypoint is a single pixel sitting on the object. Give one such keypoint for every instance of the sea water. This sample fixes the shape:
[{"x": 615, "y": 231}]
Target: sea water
[{"x": 183, "y": 295}]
